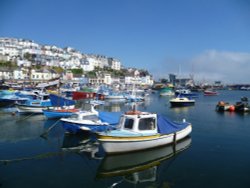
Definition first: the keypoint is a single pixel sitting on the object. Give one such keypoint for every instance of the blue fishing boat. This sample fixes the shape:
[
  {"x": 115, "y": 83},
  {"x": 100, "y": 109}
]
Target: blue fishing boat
[
  {"x": 62, "y": 107},
  {"x": 185, "y": 93},
  {"x": 90, "y": 121},
  {"x": 35, "y": 105}
]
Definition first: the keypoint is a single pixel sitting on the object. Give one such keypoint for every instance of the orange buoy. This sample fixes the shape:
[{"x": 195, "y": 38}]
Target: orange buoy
[{"x": 231, "y": 108}]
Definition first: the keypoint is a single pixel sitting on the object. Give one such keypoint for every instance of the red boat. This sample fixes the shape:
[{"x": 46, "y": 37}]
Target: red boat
[
  {"x": 210, "y": 93},
  {"x": 78, "y": 95}
]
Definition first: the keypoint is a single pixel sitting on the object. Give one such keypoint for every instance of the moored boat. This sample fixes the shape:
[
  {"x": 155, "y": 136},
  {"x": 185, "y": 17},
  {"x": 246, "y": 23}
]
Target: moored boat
[
  {"x": 185, "y": 93},
  {"x": 210, "y": 93},
  {"x": 133, "y": 162},
  {"x": 35, "y": 105},
  {"x": 142, "y": 130},
  {"x": 90, "y": 121},
  {"x": 224, "y": 106},
  {"x": 59, "y": 113},
  {"x": 181, "y": 101}
]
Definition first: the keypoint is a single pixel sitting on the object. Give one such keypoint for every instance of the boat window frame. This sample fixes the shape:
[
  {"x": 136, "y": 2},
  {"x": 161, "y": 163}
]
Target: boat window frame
[
  {"x": 149, "y": 125},
  {"x": 131, "y": 125}
]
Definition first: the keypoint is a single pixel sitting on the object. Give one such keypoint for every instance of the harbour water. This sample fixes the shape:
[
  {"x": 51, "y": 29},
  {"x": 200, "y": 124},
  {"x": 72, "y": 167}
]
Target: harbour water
[{"x": 215, "y": 155}]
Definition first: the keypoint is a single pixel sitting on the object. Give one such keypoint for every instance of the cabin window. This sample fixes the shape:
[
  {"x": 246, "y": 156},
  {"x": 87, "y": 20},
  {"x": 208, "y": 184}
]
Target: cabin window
[
  {"x": 147, "y": 124},
  {"x": 90, "y": 117},
  {"x": 128, "y": 124}
]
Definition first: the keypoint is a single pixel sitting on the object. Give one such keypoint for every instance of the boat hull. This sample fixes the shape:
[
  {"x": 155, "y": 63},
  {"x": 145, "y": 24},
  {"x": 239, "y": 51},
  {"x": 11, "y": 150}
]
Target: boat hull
[
  {"x": 30, "y": 109},
  {"x": 129, "y": 144},
  {"x": 53, "y": 114},
  {"x": 180, "y": 104},
  {"x": 126, "y": 163},
  {"x": 75, "y": 128}
]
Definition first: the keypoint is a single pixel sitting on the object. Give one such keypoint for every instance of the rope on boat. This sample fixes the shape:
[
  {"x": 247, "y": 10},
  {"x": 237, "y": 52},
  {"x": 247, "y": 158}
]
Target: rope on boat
[
  {"x": 40, "y": 156},
  {"x": 25, "y": 117},
  {"x": 51, "y": 127}
]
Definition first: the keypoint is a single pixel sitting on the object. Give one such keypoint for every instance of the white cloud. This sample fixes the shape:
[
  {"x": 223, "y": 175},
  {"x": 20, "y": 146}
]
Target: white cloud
[{"x": 229, "y": 67}]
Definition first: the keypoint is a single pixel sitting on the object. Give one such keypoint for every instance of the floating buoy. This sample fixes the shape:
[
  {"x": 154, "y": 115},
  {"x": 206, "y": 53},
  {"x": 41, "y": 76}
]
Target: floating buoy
[{"x": 231, "y": 108}]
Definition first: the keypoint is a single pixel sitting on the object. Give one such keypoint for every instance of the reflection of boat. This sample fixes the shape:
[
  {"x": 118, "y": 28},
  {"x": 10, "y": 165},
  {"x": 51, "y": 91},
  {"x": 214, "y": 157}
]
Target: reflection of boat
[
  {"x": 15, "y": 129},
  {"x": 142, "y": 130},
  {"x": 124, "y": 164},
  {"x": 80, "y": 143},
  {"x": 181, "y": 101}
]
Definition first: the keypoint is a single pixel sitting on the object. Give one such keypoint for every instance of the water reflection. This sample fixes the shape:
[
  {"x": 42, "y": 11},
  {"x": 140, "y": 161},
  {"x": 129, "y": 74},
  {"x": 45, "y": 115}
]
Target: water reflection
[
  {"x": 82, "y": 144},
  {"x": 182, "y": 109},
  {"x": 15, "y": 128},
  {"x": 140, "y": 166}
]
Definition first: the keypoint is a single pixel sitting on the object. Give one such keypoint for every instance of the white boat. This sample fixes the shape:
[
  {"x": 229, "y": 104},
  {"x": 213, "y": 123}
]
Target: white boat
[
  {"x": 181, "y": 101},
  {"x": 92, "y": 120},
  {"x": 134, "y": 163},
  {"x": 142, "y": 130}
]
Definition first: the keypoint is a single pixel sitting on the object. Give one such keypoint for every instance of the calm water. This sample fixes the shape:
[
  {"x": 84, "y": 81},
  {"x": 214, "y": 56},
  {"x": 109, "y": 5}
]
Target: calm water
[{"x": 217, "y": 154}]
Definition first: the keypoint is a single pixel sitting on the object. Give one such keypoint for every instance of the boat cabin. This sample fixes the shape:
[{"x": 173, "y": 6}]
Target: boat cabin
[{"x": 139, "y": 122}]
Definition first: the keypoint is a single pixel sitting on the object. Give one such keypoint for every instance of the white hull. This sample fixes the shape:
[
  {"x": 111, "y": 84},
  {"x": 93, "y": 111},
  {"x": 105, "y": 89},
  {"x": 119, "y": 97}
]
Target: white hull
[
  {"x": 129, "y": 145},
  {"x": 30, "y": 109}
]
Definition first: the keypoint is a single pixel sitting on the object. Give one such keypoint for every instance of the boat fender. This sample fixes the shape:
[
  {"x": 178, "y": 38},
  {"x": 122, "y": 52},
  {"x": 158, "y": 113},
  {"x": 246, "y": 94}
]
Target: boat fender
[{"x": 231, "y": 108}]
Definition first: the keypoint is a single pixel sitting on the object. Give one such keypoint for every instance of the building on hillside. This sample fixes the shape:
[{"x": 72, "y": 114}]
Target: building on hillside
[
  {"x": 6, "y": 74},
  {"x": 43, "y": 75},
  {"x": 114, "y": 64}
]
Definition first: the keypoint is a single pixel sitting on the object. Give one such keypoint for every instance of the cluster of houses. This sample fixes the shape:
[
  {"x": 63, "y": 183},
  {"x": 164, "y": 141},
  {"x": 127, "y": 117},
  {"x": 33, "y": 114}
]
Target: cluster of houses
[{"x": 26, "y": 53}]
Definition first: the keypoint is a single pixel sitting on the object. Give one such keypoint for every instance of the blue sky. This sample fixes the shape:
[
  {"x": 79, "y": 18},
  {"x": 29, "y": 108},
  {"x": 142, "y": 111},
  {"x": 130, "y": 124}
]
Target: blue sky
[{"x": 207, "y": 38}]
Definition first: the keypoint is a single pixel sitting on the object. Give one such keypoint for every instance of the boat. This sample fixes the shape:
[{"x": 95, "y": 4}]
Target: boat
[
  {"x": 166, "y": 92},
  {"x": 35, "y": 105},
  {"x": 90, "y": 121},
  {"x": 185, "y": 93},
  {"x": 142, "y": 130},
  {"x": 210, "y": 93},
  {"x": 10, "y": 98},
  {"x": 224, "y": 106},
  {"x": 132, "y": 163},
  {"x": 62, "y": 107},
  {"x": 59, "y": 113},
  {"x": 242, "y": 106},
  {"x": 181, "y": 101}
]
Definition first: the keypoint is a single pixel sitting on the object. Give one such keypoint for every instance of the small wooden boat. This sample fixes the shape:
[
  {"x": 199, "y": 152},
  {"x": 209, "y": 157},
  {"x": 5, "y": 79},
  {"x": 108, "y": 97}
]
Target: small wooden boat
[
  {"x": 181, "y": 101},
  {"x": 142, "y": 130}
]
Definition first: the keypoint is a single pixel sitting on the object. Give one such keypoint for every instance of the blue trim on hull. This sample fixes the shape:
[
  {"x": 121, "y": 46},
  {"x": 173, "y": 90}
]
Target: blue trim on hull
[
  {"x": 76, "y": 128},
  {"x": 53, "y": 114}
]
